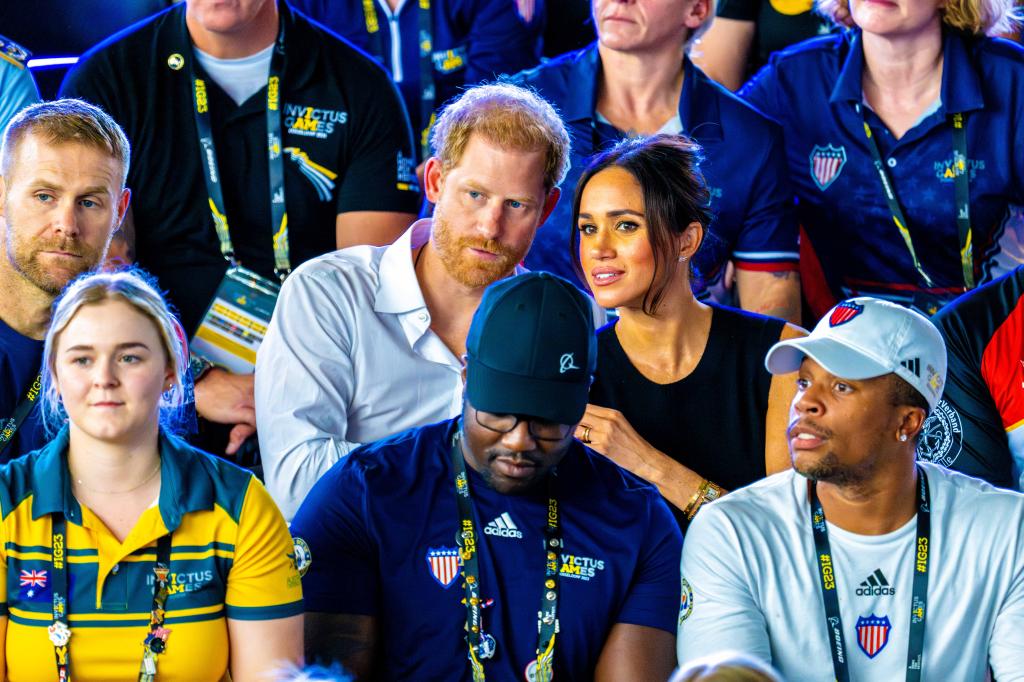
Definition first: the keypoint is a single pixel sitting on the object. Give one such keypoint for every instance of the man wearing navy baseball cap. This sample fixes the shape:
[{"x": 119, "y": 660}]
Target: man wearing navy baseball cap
[
  {"x": 861, "y": 563},
  {"x": 495, "y": 545}
]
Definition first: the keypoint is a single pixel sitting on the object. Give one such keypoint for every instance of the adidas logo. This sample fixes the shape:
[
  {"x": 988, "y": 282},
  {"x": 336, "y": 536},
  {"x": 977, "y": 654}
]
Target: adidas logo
[
  {"x": 876, "y": 585},
  {"x": 914, "y": 365},
  {"x": 504, "y": 527}
]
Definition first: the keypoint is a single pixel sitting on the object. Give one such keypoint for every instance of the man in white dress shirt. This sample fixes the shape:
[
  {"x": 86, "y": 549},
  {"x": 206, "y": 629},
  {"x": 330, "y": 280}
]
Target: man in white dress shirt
[
  {"x": 860, "y": 564},
  {"x": 366, "y": 341}
]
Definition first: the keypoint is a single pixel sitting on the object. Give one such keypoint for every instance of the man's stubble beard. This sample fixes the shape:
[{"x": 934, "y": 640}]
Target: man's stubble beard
[
  {"x": 464, "y": 268},
  {"x": 23, "y": 257},
  {"x": 829, "y": 470}
]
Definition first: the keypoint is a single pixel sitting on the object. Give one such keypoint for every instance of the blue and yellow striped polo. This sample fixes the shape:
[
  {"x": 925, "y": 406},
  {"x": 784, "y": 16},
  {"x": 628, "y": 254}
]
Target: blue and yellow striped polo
[{"x": 231, "y": 557}]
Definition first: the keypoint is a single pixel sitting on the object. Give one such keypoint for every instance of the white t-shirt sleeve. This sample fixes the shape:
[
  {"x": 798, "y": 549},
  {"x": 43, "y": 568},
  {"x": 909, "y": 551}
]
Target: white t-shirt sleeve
[
  {"x": 304, "y": 386},
  {"x": 718, "y": 610},
  {"x": 1006, "y": 650}
]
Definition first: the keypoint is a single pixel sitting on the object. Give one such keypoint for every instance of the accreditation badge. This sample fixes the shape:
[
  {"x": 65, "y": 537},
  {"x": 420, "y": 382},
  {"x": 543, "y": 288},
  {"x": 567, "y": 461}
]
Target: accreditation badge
[{"x": 236, "y": 321}]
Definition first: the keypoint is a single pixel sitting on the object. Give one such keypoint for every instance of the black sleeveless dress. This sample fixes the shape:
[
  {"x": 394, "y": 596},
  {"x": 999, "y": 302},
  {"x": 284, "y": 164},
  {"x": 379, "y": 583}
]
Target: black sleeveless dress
[{"x": 713, "y": 420}]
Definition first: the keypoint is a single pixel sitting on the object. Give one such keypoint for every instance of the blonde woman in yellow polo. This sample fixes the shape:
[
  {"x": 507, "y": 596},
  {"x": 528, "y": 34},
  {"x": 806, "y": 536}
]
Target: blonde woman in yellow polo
[{"x": 127, "y": 554}]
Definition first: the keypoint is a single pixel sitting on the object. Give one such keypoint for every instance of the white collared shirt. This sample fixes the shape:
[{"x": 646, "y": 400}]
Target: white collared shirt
[{"x": 349, "y": 358}]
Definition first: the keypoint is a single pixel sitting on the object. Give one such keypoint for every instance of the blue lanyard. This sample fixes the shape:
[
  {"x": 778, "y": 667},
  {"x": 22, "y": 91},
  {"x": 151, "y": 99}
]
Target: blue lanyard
[{"x": 919, "y": 596}]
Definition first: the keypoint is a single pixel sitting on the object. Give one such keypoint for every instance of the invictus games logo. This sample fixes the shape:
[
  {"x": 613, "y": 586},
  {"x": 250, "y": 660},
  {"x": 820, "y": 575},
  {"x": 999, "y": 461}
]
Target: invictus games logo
[
  {"x": 580, "y": 567},
  {"x": 942, "y": 437},
  {"x": 312, "y": 122}
]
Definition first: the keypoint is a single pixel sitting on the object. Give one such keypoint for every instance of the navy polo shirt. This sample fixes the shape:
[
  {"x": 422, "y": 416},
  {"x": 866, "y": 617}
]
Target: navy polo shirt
[
  {"x": 473, "y": 41},
  {"x": 744, "y": 167},
  {"x": 346, "y": 143},
  {"x": 379, "y": 536},
  {"x": 20, "y": 361},
  {"x": 813, "y": 89}
]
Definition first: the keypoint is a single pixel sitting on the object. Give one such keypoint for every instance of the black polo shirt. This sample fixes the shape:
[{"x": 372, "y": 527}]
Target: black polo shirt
[{"x": 347, "y": 147}]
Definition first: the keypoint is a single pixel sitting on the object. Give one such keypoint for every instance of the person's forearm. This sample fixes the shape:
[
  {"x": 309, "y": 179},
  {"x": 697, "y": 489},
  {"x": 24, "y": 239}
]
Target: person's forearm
[{"x": 676, "y": 482}]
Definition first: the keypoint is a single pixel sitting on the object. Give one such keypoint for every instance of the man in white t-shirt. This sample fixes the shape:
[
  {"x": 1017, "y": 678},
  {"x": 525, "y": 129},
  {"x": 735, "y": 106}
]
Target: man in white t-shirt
[{"x": 860, "y": 564}]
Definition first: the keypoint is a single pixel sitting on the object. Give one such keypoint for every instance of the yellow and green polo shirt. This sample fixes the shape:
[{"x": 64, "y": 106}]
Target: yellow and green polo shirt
[{"x": 231, "y": 557}]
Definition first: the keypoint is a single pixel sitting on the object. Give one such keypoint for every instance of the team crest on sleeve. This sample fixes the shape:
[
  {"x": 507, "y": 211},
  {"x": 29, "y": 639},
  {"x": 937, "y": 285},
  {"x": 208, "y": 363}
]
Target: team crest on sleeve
[
  {"x": 685, "y": 602},
  {"x": 826, "y": 164},
  {"x": 844, "y": 312},
  {"x": 302, "y": 556},
  {"x": 444, "y": 565},
  {"x": 873, "y": 634}
]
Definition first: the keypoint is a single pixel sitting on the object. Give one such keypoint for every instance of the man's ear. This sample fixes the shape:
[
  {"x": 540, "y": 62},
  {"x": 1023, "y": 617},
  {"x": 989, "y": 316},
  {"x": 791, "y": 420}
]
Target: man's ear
[
  {"x": 433, "y": 179},
  {"x": 913, "y": 421},
  {"x": 699, "y": 13}
]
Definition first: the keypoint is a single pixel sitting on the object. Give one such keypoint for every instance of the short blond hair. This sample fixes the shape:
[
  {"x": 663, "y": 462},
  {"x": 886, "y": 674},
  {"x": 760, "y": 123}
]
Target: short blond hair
[
  {"x": 508, "y": 116},
  {"x": 140, "y": 290},
  {"x": 979, "y": 17},
  {"x": 67, "y": 120}
]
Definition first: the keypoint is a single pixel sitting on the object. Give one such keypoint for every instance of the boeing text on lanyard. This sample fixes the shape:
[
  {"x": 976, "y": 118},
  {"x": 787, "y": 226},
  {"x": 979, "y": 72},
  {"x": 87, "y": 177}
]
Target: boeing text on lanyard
[
  {"x": 428, "y": 94},
  {"x": 925, "y": 302},
  {"x": 481, "y": 645},
  {"x": 918, "y": 599},
  {"x": 236, "y": 321}
]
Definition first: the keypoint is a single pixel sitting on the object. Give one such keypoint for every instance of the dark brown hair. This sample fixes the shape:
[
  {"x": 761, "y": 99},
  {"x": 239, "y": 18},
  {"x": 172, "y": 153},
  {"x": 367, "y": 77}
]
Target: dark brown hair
[{"x": 667, "y": 167}]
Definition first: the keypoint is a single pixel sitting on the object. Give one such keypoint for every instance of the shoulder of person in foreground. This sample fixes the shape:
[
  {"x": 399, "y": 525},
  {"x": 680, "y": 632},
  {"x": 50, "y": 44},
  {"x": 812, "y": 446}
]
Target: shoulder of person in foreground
[
  {"x": 771, "y": 90},
  {"x": 718, "y": 608},
  {"x": 305, "y": 368},
  {"x": 263, "y": 582}
]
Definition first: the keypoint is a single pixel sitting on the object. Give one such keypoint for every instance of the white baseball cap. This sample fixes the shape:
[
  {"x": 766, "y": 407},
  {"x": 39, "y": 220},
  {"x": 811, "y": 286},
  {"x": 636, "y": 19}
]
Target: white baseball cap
[{"x": 863, "y": 338}]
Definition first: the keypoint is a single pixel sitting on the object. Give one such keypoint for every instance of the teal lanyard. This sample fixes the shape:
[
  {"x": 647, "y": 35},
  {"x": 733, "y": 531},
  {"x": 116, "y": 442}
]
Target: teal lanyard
[
  {"x": 918, "y": 599},
  {"x": 428, "y": 92},
  {"x": 481, "y": 645},
  {"x": 59, "y": 631},
  {"x": 212, "y": 174}
]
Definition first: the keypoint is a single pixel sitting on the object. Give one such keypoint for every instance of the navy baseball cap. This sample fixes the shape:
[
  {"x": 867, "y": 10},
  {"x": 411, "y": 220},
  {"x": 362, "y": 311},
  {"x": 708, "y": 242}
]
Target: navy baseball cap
[{"x": 531, "y": 349}]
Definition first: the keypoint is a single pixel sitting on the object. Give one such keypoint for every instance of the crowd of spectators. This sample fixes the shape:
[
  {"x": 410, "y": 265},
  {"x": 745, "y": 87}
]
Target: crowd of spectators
[{"x": 432, "y": 294}]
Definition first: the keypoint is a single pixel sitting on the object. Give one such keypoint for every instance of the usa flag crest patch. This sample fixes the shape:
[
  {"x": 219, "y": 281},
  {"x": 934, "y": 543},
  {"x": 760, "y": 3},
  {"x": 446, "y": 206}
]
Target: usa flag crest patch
[
  {"x": 444, "y": 565},
  {"x": 873, "y": 634},
  {"x": 844, "y": 312},
  {"x": 826, "y": 164}
]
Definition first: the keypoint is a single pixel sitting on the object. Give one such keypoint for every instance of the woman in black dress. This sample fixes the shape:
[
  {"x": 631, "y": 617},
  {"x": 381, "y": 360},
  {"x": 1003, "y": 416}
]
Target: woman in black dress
[{"x": 681, "y": 396}]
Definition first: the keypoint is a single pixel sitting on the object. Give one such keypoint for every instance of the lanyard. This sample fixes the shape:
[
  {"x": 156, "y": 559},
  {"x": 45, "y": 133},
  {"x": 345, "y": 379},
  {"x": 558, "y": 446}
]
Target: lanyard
[
  {"x": 59, "y": 631},
  {"x": 21, "y": 412},
  {"x": 961, "y": 188},
  {"x": 428, "y": 94},
  {"x": 278, "y": 210},
  {"x": 480, "y": 644},
  {"x": 919, "y": 596}
]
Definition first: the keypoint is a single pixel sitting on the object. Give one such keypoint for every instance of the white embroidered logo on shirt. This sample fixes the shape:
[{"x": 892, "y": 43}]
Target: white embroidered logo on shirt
[{"x": 504, "y": 527}]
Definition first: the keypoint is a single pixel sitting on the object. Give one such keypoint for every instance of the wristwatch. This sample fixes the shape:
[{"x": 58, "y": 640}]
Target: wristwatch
[{"x": 198, "y": 366}]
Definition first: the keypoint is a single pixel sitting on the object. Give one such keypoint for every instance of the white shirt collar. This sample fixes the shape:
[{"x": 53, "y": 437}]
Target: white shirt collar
[{"x": 398, "y": 290}]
